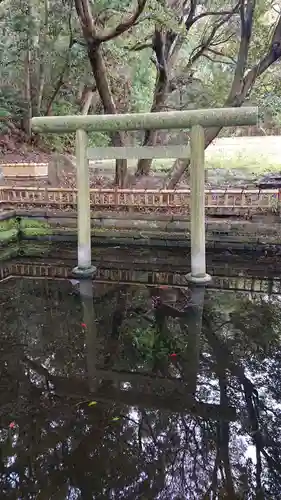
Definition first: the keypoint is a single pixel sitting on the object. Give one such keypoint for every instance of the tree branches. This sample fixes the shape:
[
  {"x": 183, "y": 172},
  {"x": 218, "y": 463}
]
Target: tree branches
[
  {"x": 273, "y": 53},
  {"x": 125, "y": 25},
  {"x": 242, "y": 81},
  {"x": 192, "y": 18},
  {"x": 85, "y": 16}
]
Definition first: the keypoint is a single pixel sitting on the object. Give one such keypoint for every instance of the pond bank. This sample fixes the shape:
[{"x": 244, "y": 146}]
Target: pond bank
[{"x": 140, "y": 230}]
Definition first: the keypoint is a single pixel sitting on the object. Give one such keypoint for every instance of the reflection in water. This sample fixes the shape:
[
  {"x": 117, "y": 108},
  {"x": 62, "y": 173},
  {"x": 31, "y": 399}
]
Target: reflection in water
[
  {"x": 89, "y": 325},
  {"x": 138, "y": 392}
]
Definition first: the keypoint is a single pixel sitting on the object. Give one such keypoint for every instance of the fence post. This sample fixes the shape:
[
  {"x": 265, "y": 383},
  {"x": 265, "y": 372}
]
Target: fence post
[
  {"x": 84, "y": 268},
  {"x": 197, "y": 207}
]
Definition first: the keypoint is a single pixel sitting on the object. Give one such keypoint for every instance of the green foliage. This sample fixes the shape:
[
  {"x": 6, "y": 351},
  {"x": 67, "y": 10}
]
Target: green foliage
[
  {"x": 143, "y": 81},
  {"x": 11, "y": 104},
  {"x": 151, "y": 344},
  {"x": 58, "y": 70}
]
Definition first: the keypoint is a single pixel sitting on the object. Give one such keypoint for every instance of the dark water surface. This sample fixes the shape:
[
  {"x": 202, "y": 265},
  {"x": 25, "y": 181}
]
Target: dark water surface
[{"x": 138, "y": 392}]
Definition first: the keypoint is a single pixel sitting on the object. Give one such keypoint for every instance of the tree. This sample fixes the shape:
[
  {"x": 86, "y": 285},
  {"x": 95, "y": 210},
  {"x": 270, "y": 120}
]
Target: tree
[
  {"x": 148, "y": 55},
  {"x": 244, "y": 77},
  {"x": 169, "y": 33},
  {"x": 94, "y": 41}
]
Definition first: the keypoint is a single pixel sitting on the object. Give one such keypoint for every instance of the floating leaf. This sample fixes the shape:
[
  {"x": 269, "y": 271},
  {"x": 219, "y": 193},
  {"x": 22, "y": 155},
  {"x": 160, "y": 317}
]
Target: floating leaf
[
  {"x": 115, "y": 419},
  {"x": 93, "y": 403}
]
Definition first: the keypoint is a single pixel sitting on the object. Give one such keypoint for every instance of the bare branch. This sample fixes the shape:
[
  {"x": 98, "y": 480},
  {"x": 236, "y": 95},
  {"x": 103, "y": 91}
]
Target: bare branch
[
  {"x": 220, "y": 13},
  {"x": 200, "y": 49},
  {"x": 218, "y": 61},
  {"x": 139, "y": 46},
  {"x": 123, "y": 26},
  {"x": 221, "y": 54},
  {"x": 273, "y": 54},
  {"x": 193, "y": 19}
]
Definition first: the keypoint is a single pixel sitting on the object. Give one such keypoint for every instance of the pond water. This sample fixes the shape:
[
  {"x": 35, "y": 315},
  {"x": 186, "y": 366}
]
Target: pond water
[{"x": 132, "y": 391}]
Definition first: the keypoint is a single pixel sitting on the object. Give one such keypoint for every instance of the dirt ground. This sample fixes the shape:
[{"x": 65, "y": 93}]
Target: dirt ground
[{"x": 223, "y": 150}]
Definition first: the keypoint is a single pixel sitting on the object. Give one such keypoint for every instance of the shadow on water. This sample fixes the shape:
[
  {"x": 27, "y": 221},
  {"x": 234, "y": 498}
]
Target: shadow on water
[{"x": 138, "y": 392}]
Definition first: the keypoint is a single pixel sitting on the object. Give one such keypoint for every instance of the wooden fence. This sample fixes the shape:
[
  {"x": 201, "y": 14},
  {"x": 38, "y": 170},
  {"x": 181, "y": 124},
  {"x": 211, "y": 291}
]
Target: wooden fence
[
  {"x": 250, "y": 284},
  {"x": 218, "y": 201}
]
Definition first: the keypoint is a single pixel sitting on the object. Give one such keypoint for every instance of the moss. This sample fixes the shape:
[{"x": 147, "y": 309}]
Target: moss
[
  {"x": 34, "y": 227},
  {"x": 32, "y": 249},
  {"x": 33, "y": 223},
  {"x": 7, "y": 235},
  {"x": 9, "y": 252},
  {"x": 8, "y": 224},
  {"x": 36, "y": 231}
]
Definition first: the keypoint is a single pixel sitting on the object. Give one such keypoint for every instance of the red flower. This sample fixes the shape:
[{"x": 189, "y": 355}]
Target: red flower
[
  {"x": 12, "y": 425},
  {"x": 173, "y": 355},
  {"x": 83, "y": 325}
]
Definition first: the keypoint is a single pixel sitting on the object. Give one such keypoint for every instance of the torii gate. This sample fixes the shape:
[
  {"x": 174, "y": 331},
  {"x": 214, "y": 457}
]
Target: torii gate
[{"x": 194, "y": 119}]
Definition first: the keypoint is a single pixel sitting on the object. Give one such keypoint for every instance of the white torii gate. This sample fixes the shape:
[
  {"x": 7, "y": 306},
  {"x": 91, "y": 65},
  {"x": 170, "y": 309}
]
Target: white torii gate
[{"x": 194, "y": 119}]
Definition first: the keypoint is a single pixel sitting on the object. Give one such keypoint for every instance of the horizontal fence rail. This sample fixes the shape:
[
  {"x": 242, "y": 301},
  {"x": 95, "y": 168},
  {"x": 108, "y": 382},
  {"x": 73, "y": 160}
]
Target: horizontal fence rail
[{"x": 233, "y": 201}]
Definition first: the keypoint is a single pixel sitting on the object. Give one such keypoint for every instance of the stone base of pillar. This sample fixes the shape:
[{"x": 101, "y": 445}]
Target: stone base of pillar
[
  {"x": 198, "y": 280},
  {"x": 84, "y": 273}
]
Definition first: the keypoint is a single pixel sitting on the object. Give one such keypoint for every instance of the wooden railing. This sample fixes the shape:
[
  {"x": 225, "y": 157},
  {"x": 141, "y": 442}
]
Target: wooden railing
[
  {"x": 224, "y": 201},
  {"x": 130, "y": 276}
]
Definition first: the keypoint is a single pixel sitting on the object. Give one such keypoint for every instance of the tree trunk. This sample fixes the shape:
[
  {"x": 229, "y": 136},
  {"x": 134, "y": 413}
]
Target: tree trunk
[
  {"x": 42, "y": 48},
  {"x": 118, "y": 138},
  {"x": 87, "y": 102},
  {"x": 150, "y": 137},
  {"x": 180, "y": 165},
  {"x": 144, "y": 164},
  {"x": 27, "y": 93},
  {"x": 241, "y": 85}
]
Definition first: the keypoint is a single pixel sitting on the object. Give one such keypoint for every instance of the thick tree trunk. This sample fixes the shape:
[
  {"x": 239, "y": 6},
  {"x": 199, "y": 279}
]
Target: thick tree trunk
[
  {"x": 180, "y": 166},
  {"x": 144, "y": 165},
  {"x": 119, "y": 138},
  {"x": 150, "y": 137}
]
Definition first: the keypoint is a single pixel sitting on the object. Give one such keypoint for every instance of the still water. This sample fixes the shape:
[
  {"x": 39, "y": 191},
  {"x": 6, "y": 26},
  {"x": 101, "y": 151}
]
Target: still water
[{"x": 138, "y": 392}]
